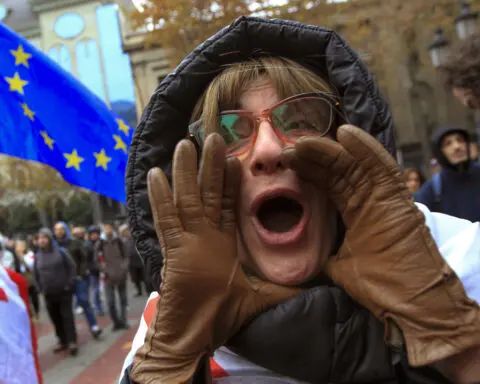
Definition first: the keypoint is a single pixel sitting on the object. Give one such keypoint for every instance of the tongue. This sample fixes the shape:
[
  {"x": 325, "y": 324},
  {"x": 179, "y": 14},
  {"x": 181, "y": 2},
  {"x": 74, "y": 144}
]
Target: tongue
[{"x": 280, "y": 214}]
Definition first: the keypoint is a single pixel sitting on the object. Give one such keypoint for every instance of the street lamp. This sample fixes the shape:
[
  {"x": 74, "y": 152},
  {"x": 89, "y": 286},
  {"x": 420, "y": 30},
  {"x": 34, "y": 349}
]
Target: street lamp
[
  {"x": 466, "y": 22},
  {"x": 466, "y": 25},
  {"x": 439, "y": 48}
]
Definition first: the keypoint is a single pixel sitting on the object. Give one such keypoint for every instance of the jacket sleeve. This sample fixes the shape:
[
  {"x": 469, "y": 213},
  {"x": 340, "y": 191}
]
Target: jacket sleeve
[{"x": 425, "y": 195}]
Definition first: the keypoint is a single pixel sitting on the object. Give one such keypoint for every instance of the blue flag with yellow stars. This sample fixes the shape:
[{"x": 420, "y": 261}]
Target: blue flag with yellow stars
[{"x": 47, "y": 115}]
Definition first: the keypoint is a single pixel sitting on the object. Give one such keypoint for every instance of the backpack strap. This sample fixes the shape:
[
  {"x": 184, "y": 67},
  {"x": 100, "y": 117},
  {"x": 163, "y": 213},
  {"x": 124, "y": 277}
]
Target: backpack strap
[{"x": 437, "y": 190}]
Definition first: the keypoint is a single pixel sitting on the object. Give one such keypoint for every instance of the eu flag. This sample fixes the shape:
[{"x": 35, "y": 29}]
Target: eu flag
[{"x": 47, "y": 115}]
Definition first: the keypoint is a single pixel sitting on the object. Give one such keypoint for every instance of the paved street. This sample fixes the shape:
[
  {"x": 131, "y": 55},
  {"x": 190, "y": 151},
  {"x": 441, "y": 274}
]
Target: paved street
[{"x": 98, "y": 361}]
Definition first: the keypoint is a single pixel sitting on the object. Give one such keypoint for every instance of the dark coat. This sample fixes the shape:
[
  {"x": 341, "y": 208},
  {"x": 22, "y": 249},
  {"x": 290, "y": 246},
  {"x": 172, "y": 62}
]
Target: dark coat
[
  {"x": 459, "y": 185},
  {"x": 312, "y": 327}
]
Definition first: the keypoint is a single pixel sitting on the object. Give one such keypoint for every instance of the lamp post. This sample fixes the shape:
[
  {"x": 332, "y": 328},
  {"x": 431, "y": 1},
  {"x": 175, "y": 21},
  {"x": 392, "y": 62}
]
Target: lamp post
[
  {"x": 439, "y": 48},
  {"x": 466, "y": 22}
]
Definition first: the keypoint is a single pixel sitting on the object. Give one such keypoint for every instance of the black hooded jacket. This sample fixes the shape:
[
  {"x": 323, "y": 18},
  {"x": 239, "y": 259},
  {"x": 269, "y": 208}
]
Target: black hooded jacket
[
  {"x": 456, "y": 190},
  {"x": 321, "y": 336}
]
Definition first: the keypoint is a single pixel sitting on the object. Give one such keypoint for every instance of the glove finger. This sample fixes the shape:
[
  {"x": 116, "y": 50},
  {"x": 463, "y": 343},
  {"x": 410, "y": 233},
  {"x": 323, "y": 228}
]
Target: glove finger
[
  {"x": 231, "y": 188},
  {"x": 210, "y": 177},
  {"x": 185, "y": 187},
  {"x": 325, "y": 162},
  {"x": 369, "y": 153},
  {"x": 165, "y": 215},
  {"x": 303, "y": 168}
]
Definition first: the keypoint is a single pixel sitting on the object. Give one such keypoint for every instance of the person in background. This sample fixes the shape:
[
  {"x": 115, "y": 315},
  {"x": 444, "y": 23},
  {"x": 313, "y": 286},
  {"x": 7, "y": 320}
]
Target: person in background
[
  {"x": 135, "y": 263},
  {"x": 7, "y": 258},
  {"x": 55, "y": 274},
  {"x": 26, "y": 260},
  {"x": 62, "y": 233},
  {"x": 474, "y": 148},
  {"x": 455, "y": 190},
  {"x": 92, "y": 247},
  {"x": 82, "y": 284},
  {"x": 462, "y": 71},
  {"x": 414, "y": 179},
  {"x": 115, "y": 267},
  {"x": 32, "y": 242}
]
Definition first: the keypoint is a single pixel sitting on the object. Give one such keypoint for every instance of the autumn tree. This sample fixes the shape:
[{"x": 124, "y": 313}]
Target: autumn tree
[
  {"x": 30, "y": 184},
  {"x": 376, "y": 27}
]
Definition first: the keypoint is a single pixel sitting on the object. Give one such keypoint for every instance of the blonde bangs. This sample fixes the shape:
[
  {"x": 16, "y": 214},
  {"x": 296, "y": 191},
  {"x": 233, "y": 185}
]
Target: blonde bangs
[{"x": 225, "y": 91}]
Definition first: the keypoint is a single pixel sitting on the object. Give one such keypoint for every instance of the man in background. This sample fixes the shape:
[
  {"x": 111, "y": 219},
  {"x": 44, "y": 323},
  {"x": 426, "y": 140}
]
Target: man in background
[
  {"x": 455, "y": 190},
  {"x": 135, "y": 263},
  {"x": 75, "y": 247},
  {"x": 94, "y": 257},
  {"x": 462, "y": 71},
  {"x": 115, "y": 266}
]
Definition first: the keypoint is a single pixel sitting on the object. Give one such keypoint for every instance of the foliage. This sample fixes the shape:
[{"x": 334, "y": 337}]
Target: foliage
[
  {"x": 33, "y": 195},
  {"x": 380, "y": 28}
]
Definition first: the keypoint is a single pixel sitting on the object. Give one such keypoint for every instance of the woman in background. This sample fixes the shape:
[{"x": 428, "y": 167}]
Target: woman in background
[{"x": 414, "y": 179}]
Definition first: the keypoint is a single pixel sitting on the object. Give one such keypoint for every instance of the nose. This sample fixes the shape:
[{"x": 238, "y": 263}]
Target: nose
[
  {"x": 265, "y": 156},
  {"x": 457, "y": 144}
]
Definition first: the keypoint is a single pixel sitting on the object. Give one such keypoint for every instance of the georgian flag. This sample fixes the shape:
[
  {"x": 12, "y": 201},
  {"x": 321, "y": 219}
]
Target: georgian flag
[{"x": 18, "y": 345}]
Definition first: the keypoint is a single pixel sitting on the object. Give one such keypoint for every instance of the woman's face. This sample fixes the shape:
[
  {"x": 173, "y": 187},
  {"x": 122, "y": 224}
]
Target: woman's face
[
  {"x": 20, "y": 248},
  {"x": 286, "y": 226},
  {"x": 413, "y": 182}
]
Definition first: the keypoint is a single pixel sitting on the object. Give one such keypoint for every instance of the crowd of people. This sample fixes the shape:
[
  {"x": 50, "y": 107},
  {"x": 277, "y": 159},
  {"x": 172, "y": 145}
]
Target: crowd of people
[{"x": 77, "y": 270}]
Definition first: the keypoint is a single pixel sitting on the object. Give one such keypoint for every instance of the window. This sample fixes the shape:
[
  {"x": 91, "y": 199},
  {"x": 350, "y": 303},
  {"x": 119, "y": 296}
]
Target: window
[
  {"x": 3, "y": 12},
  {"x": 62, "y": 56},
  {"x": 89, "y": 67},
  {"x": 69, "y": 25}
]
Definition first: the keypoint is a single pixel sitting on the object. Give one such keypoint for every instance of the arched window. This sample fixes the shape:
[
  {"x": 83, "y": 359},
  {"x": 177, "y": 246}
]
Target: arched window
[
  {"x": 61, "y": 55},
  {"x": 89, "y": 67}
]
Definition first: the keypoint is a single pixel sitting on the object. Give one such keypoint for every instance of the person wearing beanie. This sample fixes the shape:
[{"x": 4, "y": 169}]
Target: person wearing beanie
[{"x": 55, "y": 274}]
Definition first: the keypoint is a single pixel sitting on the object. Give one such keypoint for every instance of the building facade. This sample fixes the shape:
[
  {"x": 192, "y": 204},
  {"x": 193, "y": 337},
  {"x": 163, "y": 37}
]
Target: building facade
[{"x": 84, "y": 38}]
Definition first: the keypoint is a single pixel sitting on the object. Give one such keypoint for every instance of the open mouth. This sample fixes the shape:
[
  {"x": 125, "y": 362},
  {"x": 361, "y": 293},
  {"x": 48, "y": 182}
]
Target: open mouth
[{"x": 280, "y": 214}]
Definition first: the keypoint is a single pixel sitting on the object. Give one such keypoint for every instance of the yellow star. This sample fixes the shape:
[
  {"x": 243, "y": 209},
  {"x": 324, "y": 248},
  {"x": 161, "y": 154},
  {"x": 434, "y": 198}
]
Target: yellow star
[
  {"x": 21, "y": 57},
  {"x": 28, "y": 112},
  {"x": 102, "y": 159},
  {"x": 73, "y": 160},
  {"x": 119, "y": 143},
  {"x": 123, "y": 127},
  {"x": 47, "y": 139},
  {"x": 16, "y": 83}
]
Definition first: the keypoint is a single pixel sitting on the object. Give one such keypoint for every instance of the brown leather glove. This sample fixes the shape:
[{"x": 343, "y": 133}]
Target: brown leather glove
[
  {"x": 389, "y": 261},
  {"x": 205, "y": 296}
]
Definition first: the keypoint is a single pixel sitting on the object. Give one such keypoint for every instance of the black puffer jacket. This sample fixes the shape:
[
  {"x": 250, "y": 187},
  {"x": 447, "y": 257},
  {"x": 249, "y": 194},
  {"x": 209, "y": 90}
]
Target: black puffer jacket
[
  {"x": 165, "y": 120},
  {"x": 333, "y": 340}
]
